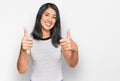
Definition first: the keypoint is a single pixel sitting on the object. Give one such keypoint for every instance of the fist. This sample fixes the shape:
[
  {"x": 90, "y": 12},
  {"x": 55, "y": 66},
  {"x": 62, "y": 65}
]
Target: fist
[
  {"x": 67, "y": 43},
  {"x": 27, "y": 42}
]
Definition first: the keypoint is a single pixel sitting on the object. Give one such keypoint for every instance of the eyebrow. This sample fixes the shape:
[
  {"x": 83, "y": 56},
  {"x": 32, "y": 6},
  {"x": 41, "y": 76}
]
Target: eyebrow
[{"x": 49, "y": 13}]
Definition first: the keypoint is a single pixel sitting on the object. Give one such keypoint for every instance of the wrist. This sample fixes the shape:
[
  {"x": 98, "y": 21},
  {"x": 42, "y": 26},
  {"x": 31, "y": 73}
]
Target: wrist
[
  {"x": 75, "y": 47},
  {"x": 23, "y": 50}
]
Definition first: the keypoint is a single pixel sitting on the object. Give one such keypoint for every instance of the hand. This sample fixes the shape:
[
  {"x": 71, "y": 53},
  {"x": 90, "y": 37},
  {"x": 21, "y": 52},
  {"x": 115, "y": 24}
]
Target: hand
[
  {"x": 67, "y": 43},
  {"x": 27, "y": 42}
]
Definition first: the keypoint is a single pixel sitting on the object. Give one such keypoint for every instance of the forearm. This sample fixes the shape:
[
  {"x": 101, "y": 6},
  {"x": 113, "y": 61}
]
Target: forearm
[
  {"x": 22, "y": 63},
  {"x": 73, "y": 59},
  {"x": 70, "y": 50}
]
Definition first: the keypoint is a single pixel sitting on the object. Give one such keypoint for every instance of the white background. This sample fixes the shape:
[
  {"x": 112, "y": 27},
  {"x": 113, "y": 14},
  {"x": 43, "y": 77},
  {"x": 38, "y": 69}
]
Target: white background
[{"x": 94, "y": 25}]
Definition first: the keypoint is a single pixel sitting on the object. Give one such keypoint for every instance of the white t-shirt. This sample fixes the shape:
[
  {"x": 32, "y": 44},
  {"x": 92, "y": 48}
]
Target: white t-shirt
[{"x": 46, "y": 61}]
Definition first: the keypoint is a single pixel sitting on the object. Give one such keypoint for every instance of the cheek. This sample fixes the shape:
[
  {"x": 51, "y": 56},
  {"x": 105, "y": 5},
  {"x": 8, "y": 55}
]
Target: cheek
[
  {"x": 54, "y": 22},
  {"x": 43, "y": 18},
  {"x": 42, "y": 21}
]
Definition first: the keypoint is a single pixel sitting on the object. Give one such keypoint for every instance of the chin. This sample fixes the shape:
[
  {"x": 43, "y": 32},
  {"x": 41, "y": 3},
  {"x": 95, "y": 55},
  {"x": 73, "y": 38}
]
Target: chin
[{"x": 48, "y": 28}]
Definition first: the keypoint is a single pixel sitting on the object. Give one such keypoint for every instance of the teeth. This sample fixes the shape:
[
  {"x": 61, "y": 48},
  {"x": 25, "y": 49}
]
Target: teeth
[{"x": 48, "y": 24}]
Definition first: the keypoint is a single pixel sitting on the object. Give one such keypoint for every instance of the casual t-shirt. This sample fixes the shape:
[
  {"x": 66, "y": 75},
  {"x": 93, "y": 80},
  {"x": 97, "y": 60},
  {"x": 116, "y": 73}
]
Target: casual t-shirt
[{"x": 46, "y": 61}]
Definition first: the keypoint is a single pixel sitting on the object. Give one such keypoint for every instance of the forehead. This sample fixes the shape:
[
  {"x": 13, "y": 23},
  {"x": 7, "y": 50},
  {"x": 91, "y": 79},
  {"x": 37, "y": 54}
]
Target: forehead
[{"x": 50, "y": 11}]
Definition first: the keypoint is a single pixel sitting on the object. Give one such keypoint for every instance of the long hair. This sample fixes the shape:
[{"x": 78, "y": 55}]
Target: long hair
[{"x": 55, "y": 32}]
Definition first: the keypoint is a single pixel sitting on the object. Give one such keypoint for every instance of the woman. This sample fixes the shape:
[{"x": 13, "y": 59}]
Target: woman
[{"x": 45, "y": 47}]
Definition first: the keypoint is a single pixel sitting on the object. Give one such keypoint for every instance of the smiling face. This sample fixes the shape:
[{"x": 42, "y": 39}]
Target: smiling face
[{"x": 48, "y": 19}]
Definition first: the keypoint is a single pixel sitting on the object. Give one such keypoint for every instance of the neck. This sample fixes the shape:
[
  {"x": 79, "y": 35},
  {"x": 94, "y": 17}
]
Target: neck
[{"x": 46, "y": 34}]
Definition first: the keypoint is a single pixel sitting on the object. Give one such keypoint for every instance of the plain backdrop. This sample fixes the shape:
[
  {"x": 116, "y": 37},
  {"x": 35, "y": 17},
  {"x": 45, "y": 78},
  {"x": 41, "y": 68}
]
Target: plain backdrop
[{"x": 94, "y": 26}]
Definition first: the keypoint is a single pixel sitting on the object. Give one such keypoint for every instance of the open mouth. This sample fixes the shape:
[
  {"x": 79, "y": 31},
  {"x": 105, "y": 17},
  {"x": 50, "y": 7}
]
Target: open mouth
[{"x": 49, "y": 24}]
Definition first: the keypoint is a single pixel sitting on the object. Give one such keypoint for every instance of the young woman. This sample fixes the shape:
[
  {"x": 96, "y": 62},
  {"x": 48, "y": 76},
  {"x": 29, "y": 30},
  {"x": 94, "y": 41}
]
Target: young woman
[{"x": 45, "y": 47}]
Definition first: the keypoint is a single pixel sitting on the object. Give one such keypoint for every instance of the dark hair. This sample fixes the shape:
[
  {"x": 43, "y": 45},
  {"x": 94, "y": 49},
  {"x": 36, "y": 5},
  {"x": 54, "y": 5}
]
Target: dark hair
[{"x": 55, "y": 31}]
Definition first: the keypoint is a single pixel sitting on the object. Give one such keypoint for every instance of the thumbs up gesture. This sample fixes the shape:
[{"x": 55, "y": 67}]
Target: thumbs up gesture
[
  {"x": 67, "y": 43},
  {"x": 27, "y": 42}
]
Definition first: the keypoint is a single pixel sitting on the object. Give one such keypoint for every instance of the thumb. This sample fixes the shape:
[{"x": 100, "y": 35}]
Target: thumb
[
  {"x": 68, "y": 34},
  {"x": 25, "y": 32}
]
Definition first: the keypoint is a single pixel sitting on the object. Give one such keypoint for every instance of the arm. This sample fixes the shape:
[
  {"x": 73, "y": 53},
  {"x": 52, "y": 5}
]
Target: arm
[
  {"x": 70, "y": 50},
  {"x": 23, "y": 59}
]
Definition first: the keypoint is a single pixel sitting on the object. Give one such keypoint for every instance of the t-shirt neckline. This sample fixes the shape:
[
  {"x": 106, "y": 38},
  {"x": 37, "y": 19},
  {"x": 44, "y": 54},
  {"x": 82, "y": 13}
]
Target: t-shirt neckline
[{"x": 45, "y": 38}]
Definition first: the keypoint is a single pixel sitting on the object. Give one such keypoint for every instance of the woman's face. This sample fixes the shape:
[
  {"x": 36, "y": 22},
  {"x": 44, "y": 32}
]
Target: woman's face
[{"x": 48, "y": 19}]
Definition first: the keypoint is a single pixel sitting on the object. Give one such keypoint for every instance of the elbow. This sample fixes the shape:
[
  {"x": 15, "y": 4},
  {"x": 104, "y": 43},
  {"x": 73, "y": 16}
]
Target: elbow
[
  {"x": 72, "y": 65},
  {"x": 21, "y": 70}
]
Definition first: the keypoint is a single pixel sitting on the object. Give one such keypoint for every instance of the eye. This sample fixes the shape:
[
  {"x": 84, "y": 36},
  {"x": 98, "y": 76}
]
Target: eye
[
  {"x": 54, "y": 17},
  {"x": 46, "y": 14}
]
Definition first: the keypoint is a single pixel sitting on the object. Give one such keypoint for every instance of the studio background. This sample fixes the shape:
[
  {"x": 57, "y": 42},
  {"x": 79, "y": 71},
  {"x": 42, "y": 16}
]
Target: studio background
[{"x": 94, "y": 25}]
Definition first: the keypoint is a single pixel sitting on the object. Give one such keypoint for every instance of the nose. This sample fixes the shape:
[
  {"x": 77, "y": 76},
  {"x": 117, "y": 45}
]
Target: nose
[{"x": 50, "y": 18}]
